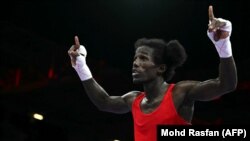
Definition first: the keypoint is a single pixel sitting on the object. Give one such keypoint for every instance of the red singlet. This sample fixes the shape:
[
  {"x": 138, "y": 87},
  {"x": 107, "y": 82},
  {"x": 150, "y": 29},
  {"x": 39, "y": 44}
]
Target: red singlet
[{"x": 145, "y": 125}]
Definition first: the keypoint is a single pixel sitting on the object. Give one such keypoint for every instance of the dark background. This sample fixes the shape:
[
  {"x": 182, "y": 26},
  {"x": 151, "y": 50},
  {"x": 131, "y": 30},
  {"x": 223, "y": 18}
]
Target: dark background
[{"x": 36, "y": 75}]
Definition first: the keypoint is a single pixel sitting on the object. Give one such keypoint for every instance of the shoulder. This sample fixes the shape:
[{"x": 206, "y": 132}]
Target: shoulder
[
  {"x": 130, "y": 97},
  {"x": 180, "y": 92}
]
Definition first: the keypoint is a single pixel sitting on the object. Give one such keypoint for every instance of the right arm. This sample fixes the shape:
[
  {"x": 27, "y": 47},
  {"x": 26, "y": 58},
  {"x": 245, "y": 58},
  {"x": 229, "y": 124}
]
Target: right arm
[{"x": 99, "y": 97}]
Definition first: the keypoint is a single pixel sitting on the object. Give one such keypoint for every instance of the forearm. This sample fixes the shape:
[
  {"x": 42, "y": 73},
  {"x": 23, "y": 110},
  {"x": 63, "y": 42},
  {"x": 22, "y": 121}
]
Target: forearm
[
  {"x": 94, "y": 91},
  {"x": 227, "y": 74},
  {"x": 227, "y": 69}
]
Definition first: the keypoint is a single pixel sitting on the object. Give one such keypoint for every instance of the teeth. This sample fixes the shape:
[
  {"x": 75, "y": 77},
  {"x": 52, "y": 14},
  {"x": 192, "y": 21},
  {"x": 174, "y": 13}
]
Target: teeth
[{"x": 134, "y": 73}]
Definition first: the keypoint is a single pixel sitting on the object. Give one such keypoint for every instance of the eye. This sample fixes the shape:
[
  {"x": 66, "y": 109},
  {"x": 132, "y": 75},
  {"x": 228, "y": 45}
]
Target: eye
[
  {"x": 135, "y": 58},
  {"x": 143, "y": 58}
]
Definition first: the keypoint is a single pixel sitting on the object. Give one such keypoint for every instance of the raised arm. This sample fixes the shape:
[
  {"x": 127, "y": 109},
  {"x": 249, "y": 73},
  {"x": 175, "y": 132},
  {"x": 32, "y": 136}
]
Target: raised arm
[
  {"x": 219, "y": 32},
  {"x": 99, "y": 97}
]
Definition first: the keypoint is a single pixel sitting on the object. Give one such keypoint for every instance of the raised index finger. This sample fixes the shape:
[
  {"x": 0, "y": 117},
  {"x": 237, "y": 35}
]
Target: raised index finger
[
  {"x": 77, "y": 43},
  {"x": 210, "y": 13}
]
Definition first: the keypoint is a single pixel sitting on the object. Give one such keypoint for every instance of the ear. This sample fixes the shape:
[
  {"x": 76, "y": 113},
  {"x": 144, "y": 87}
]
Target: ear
[{"x": 162, "y": 68}]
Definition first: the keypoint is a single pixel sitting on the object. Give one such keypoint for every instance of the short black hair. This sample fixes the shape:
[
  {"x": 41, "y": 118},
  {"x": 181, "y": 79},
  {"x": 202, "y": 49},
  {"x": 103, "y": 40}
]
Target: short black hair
[{"x": 171, "y": 53}]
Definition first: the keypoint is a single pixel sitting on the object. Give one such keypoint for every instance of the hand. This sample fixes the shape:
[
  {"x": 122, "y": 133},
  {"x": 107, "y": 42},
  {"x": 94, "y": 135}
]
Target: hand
[
  {"x": 78, "y": 55},
  {"x": 76, "y": 50},
  {"x": 215, "y": 25}
]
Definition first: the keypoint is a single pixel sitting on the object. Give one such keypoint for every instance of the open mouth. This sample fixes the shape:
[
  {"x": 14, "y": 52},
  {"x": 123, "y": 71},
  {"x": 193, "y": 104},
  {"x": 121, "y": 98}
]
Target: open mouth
[{"x": 135, "y": 72}]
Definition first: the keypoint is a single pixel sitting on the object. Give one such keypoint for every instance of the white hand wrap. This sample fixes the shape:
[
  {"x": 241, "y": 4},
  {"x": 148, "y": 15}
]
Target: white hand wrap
[
  {"x": 223, "y": 46},
  {"x": 81, "y": 67}
]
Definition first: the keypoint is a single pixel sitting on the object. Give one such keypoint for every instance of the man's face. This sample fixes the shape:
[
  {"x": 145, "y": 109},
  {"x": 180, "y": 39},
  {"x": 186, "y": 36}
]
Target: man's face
[{"x": 144, "y": 68}]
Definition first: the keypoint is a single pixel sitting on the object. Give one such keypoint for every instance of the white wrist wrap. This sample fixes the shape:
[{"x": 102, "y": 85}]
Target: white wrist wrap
[
  {"x": 81, "y": 67},
  {"x": 223, "y": 46}
]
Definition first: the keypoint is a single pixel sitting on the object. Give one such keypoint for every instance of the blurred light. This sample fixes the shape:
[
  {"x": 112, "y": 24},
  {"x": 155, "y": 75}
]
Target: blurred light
[
  {"x": 38, "y": 116},
  {"x": 116, "y": 140},
  {"x": 51, "y": 73}
]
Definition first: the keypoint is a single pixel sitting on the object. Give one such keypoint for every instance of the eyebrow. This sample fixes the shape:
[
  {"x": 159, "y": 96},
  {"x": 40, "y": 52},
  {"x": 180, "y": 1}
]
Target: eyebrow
[{"x": 144, "y": 52}]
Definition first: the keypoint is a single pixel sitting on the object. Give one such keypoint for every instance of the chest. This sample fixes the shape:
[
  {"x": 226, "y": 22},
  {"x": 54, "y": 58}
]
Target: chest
[
  {"x": 173, "y": 100},
  {"x": 149, "y": 107},
  {"x": 161, "y": 111}
]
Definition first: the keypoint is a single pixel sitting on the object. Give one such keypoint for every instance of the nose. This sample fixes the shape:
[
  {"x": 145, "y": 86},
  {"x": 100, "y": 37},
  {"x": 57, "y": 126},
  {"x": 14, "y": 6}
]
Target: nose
[{"x": 136, "y": 63}]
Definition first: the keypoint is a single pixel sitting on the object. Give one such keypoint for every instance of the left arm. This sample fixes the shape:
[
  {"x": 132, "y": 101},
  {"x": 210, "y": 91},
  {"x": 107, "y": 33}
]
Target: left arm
[{"x": 219, "y": 32}]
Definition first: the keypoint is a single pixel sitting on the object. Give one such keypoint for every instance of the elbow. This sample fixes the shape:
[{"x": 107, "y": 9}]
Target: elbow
[
  {"x": 105, "y": 109},
  {"x": 233, "y": 85},
  {"x": 101, "y": 107},
  {"x": 101, "y": 103},
  {"x": 230, "y": 87},
  {"x": 104, "y": 106}
]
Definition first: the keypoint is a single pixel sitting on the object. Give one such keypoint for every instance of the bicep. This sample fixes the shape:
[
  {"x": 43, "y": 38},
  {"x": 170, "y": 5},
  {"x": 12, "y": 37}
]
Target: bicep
[
  {"x": 205, "y": 90},
  {"x": 116, "y": 104},
  {"x": 120, "y": 104}
]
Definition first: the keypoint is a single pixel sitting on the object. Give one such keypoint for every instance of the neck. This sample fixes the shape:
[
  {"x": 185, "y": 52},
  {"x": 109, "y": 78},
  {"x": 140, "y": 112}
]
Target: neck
[{"x": 155, "y": 88}]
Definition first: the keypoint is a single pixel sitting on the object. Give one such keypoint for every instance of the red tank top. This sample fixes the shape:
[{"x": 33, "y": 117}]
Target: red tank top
[{"x": 145, "y": 125}]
